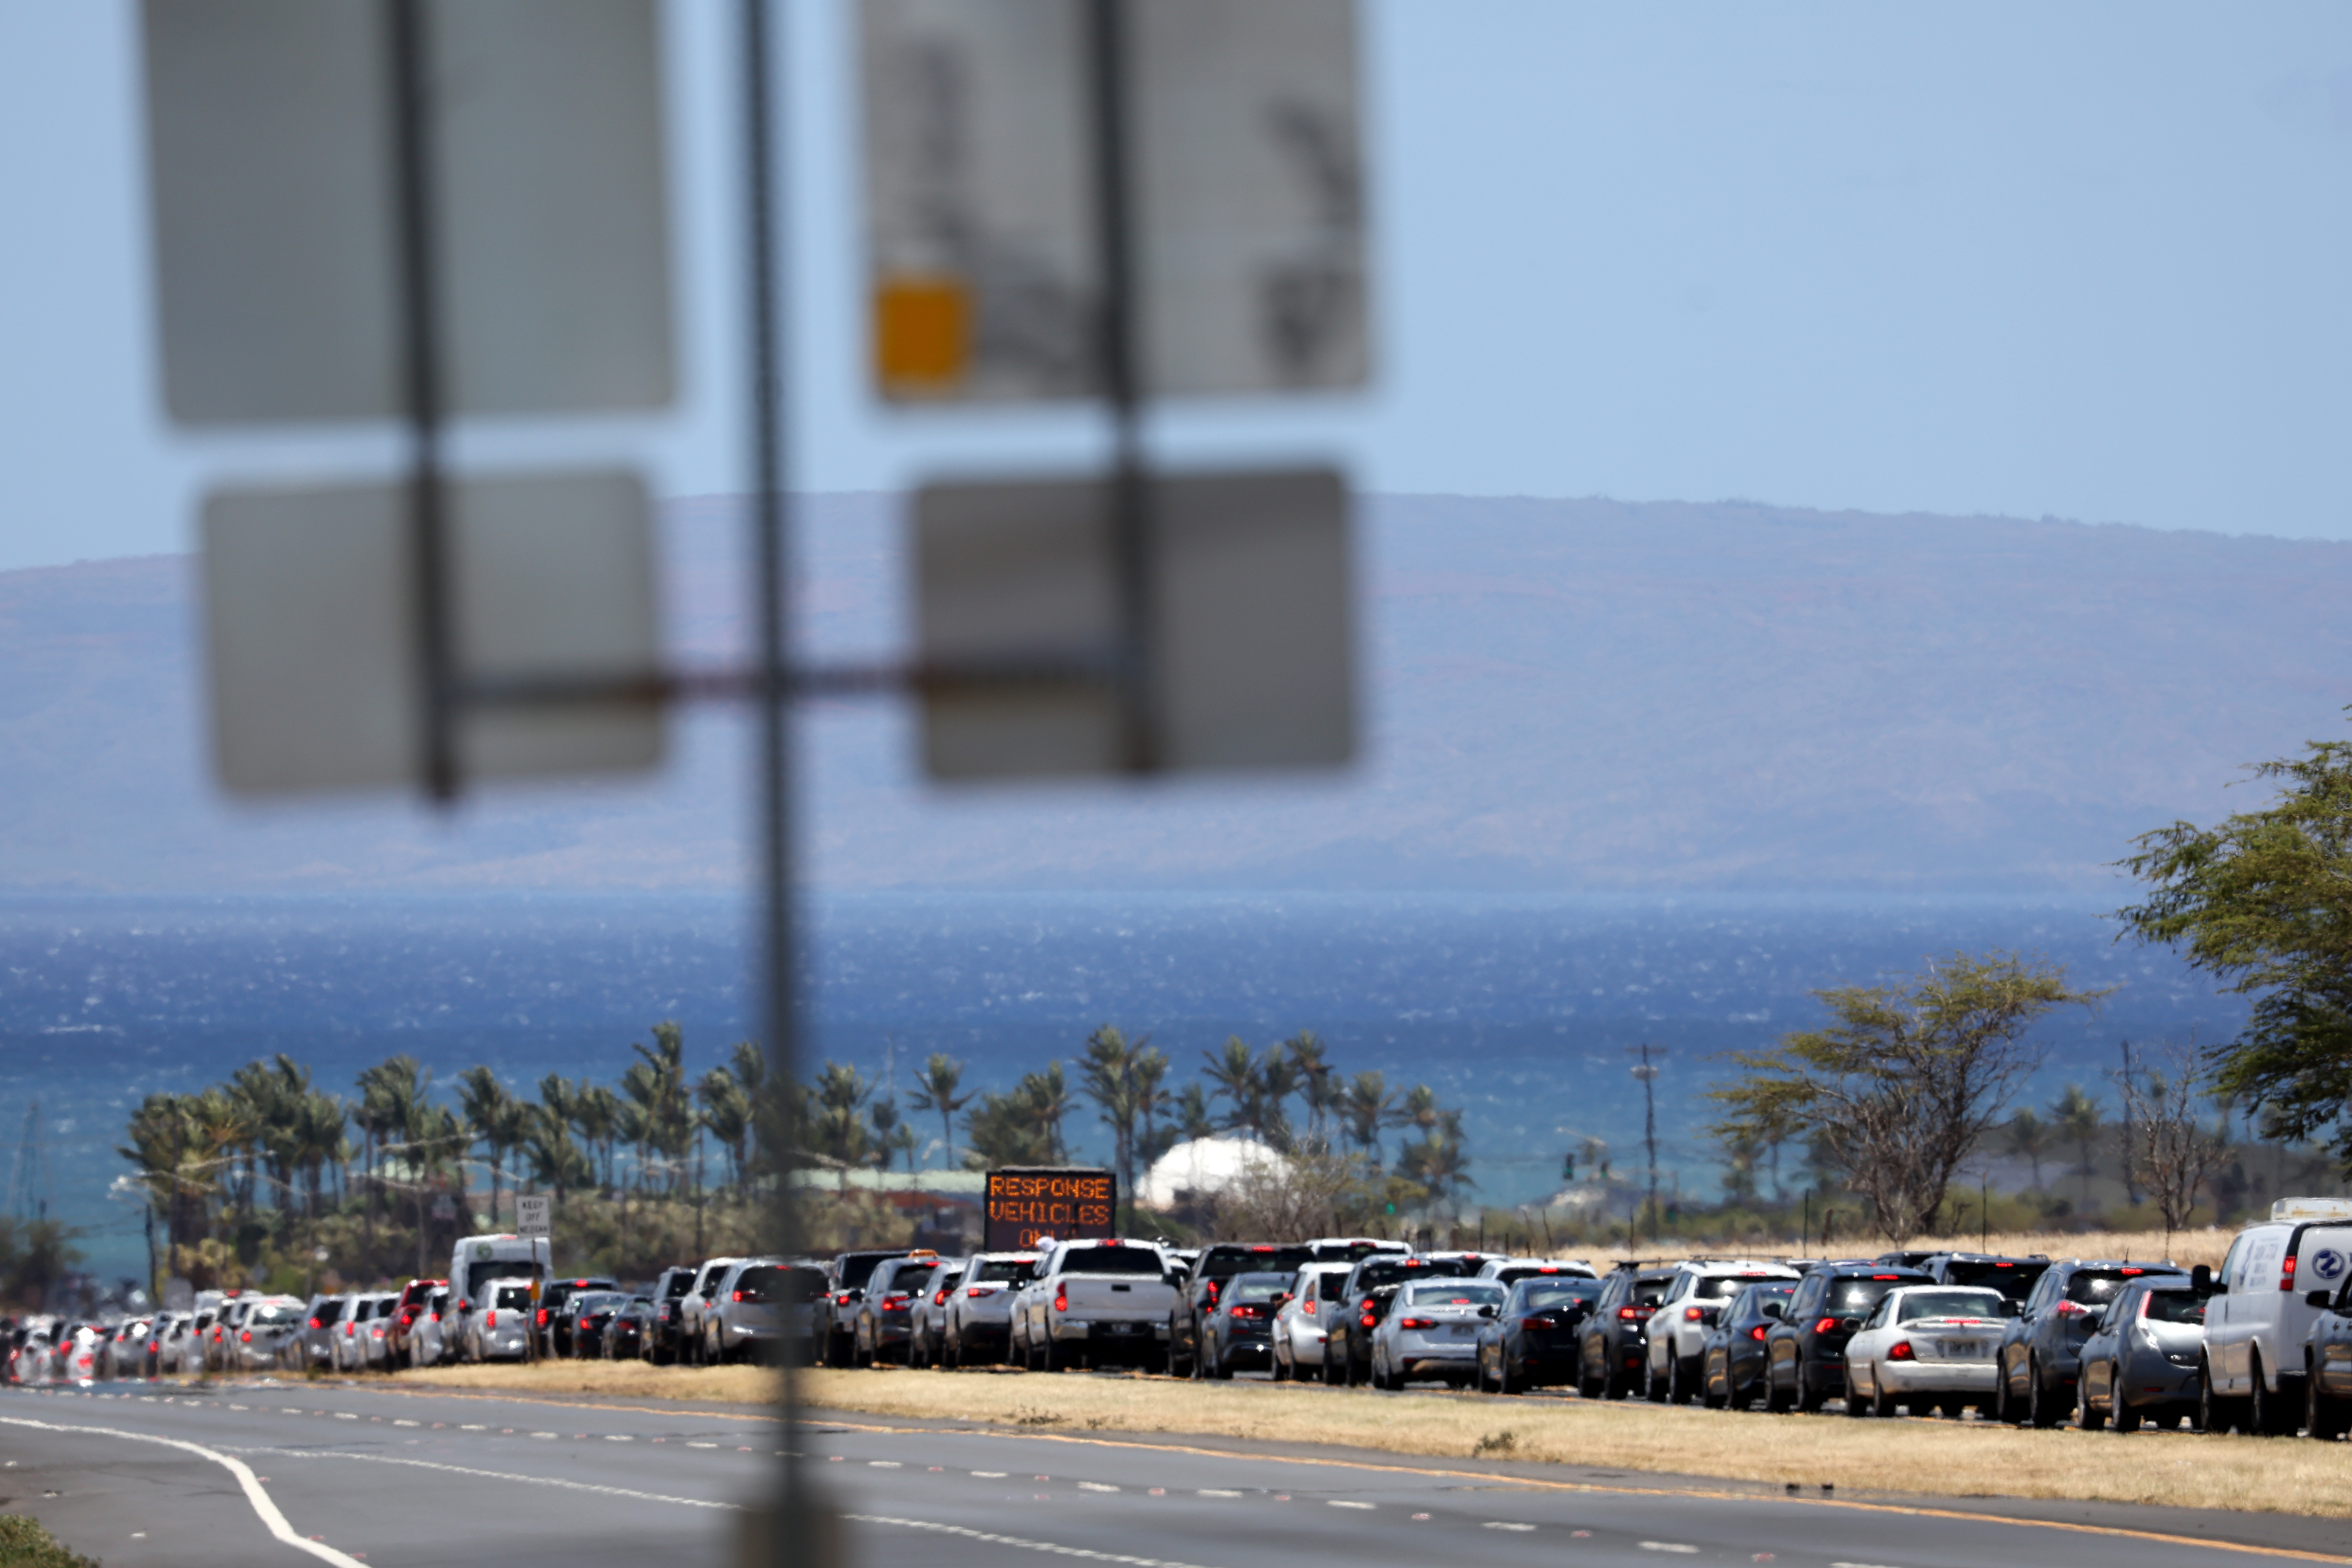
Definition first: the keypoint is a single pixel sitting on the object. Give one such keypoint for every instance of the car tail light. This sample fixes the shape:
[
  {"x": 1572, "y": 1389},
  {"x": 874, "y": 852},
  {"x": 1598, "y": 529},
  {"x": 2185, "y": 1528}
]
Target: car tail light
[
  {"x": 939, "y": 1299},
  {"x": 1538, "y": 1322},
  {"x": 315, "y": 1323},
  {"x": 2286, "y": 1272},
  {"x": 1368, "y": 1320},
  {"x": 2128, "y": 1272},
  {"x": 1548, "y": 1268},
  {"x": 1213, "y": 1292},
  {"x": 1308, "y": 1308},
  {"x": 738, "y": 1296},
  {"x": 1261, "y": 1249},
  {"x": 1416, "y": 1322},
  {"x": 1693, "y": 1314},
  {"x": 1757, "y": 1332},
  {"x": 890, "y": 1303},
  {"x": 1632, "y": 1314},
  {"x": 377, "y": 1330},
  {"x": 247, "y": 1337},
  {"x": 977, "y": 1292},
  {"x": 2072, "y": 1310},
  {"x": 1896, "y": 1276},
  {"x": 1061, "y": 1297},
  {"x": 1900, "y": 1351},
  {"x": 543, "y": 1317},
  {"x": 490, "y": 1319},
  {"x": 1249, "y": 1312}
]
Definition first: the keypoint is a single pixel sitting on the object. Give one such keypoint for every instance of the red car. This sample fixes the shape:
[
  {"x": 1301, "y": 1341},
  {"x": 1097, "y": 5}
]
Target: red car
[{"x": 414, "y": 1302}]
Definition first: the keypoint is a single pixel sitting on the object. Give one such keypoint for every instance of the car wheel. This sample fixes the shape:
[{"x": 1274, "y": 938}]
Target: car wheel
[
  {"x": 2213, "y": 1411},
  {"x": 2127, "y": 1414},
  {"x": 2268, "y": 1415},
  {"x": 1331, "y": 1374},
  {"x": 1221, "y": 1369},
  {"x": 1282, "y": 1369},
  {"x": 2086, "y": 1418},
  {"x": 1855, "y": 1404},
  {"x": 1736, "y": 1397},
  {"x": 1654, "y": 1387},
  {"x": 1775, "y": 1402},
  {"x": 1678, "y": 1381},
  {"x": 1049, "y": 1355},
  {"x": 1503, "y": 1382},
  {"x": 1883, "y": 1401},
  {"x": 2040, "y": 1402},
  {"x": 2325, "y": 1419}
]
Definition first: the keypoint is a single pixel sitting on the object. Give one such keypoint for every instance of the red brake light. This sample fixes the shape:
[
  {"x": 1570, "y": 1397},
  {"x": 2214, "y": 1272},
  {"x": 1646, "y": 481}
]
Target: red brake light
[
  {"x": 2072, "y": 1310},
  {"x": 977, "y": 1292},
  {"x": 543, "y": 1317},
  {"x": 1368, "y": 1320},
  {"x": 1635, "y": 1314},
  {"x": 1548, "y": 1268},
  {"x": 1416, "y": 1322},
  {"x": 939, "y": 1299},
  {"x": 1826, "y": 1326},
  {"x": 890, "y": 1303},
  {"x": 1900, "y": 1351},
  {"x": 1308, "y": 1308},
  {"x": 490, "y": 1319},
  {"x": 247, "y": 1337},
  {"x": 1886, "y": 1276},
  {"x": 738, "y": 1296},
  {"x": 1693, "y": 1314},
  {"x": 1757, "y": 1332},
  {"x": 2289, "y": 1269},
  {"x": 1248, "y": 1312},
  {"x": 1261, "y": 1249},
  {"x": 1061, "y": 1297},
  {"x": 1213, "y": 1292},
  {"x": 2286, "y": 1273},
  {"x": 2004, "y": 1266},
  {"x": 314, "y": 1322}
]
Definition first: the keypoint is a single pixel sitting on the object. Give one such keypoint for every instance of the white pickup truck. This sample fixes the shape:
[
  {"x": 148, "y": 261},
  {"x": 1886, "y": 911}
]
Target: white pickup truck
[{"x": 1092, "y": 1302}]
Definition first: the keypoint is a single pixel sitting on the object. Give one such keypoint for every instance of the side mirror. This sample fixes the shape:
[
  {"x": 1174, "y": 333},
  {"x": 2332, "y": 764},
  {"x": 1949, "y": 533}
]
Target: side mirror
[
  {"x": 1488, "y": 1311},
  {"x": 2201, "y": 1279},
  {"x": 1850, "y": 1325},
  {"x": 1281, "y": 1297},
  {"x": 2316, "y": 1299},
  {"x": 1774, "y": 1311},
  {"x": 2012, "y": 1308}
]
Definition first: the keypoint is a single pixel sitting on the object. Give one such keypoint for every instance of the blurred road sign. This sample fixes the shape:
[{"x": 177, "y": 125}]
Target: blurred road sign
[
  {"x": 312, "y": 636},
  {"x": 270, "y": 145},
  {"x": 534, "y": 1216},
  {"x": 1251, "y": 595},
  {"x": 985, "y": 278}
]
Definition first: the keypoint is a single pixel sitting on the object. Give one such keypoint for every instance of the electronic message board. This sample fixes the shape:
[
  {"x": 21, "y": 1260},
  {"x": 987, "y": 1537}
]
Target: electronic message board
[{"x": 1065, "y": 1201}]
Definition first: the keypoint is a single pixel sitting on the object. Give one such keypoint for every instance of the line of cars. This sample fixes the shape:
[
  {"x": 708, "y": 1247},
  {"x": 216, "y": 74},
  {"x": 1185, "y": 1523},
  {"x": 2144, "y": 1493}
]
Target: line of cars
[{"x": 2263, "y": 1345}]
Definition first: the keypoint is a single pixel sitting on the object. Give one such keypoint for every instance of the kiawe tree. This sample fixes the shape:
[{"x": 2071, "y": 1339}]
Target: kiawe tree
[
  {"x": 1902, "y": 1086},
  {"x": 2263, "y": 903}
]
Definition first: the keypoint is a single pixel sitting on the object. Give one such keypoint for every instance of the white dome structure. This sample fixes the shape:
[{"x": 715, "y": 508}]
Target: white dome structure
[{"x": 1200, "y": 1169}]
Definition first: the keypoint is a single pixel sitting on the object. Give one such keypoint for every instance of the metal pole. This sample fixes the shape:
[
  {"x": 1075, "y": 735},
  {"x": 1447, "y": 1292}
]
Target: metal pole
[
  {"x": 788, "y": 1523},
  {"x": 1122, "y": 374},
  {"x": 421, "y": 392}
]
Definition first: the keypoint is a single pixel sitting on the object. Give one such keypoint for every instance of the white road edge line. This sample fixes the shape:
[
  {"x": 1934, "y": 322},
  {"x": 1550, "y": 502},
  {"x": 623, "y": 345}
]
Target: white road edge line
[
  {"x": 993, "y": 1540},
  {"x": 505, "y": 1476},
  {"x": 270, "y": 1517}
]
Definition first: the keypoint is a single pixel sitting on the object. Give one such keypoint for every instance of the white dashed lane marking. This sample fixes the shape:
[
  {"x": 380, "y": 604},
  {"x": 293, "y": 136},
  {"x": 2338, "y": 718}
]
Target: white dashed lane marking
[
  {"x": 1096, "y": 1487},
  {"x": 1343, "y": 1502},
  {"x": 1217, "y": 1491},
  {"x": 1665, "y": 1546},
  {"x": 1506, "y": 1525}
]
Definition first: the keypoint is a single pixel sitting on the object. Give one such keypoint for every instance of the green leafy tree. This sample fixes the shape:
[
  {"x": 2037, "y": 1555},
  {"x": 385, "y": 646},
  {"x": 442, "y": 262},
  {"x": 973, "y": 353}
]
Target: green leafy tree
[
  {"x": 935, "y": 1091},
  {"x": 1114, "y": 1075},
  {"x": 1901, "y": 1088},
  {"x": 1371, "y": 1108},
  {"x": 2263, "y": 903},
  {"x": 2030, "y": 1136},
  {"x": 2075, "y": 1117},
  {"x": 1193, "y": 1119}
]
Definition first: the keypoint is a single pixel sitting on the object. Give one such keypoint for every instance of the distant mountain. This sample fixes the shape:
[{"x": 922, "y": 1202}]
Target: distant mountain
[{"x": 1561, "y": 695}]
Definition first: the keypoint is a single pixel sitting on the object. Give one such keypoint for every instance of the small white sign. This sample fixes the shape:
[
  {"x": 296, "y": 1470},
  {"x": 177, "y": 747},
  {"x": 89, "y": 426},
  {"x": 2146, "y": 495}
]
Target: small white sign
[
  {"x": 1254, "y": 660},
  {"x": 534, "y": 1215},
  {"x": 1246, "y": 182}
]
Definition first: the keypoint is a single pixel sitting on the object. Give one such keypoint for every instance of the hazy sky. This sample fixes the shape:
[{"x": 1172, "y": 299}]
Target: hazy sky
[{"x": 2085, "y": 262}]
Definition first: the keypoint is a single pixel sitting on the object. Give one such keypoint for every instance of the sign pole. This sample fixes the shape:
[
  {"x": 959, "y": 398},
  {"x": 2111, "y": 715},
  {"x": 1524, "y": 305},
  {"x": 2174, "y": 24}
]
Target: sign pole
[
  {"x": 790, "y": 1524},
  {"x": 1122, "y": 379}
]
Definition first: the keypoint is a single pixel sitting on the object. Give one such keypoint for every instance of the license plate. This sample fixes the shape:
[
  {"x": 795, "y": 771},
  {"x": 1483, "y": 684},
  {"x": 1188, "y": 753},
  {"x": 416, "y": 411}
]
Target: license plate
[
  {"x": 1962, "y": 1350},
  {"x": 1123, "y": 1328},
  {"x": 1462, "y": 1331}
]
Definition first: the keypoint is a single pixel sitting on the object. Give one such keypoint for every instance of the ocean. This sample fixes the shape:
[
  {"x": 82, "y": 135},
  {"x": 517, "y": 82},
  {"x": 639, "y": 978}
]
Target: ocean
[{"x": 1517, "y": 1009}]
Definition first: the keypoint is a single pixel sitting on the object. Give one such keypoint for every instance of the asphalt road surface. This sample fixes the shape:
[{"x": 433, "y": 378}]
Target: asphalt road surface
[{"x": 265, "y": 1473}]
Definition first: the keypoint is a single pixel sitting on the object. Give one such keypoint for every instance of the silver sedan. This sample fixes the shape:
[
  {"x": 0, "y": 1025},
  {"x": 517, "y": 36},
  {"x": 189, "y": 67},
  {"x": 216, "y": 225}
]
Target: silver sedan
[{"x": 1432, "y": 1332}]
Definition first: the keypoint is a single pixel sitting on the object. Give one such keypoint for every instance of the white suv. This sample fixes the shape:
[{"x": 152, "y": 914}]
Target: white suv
[
  {"x": 2257, "y": 1319},
  {"x": 1695, "y": 1298}
]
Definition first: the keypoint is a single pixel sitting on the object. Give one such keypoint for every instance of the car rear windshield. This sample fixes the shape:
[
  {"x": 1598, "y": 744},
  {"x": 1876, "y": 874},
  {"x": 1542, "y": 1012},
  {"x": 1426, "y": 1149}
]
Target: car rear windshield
[
  {"x": 325, "y": 1312},
  {"x": 1377, "y": 1271},
  {"x": 1921, "y": 1304},
  {"x": 1331, "y": 1287},
  {"x": 599, "y": 1301},
  {"x": 1650, "y": 1292},
  {"x": 1544, "y": 1294},
  {"x": 1346, "y": 1251},
  {"x": 512, "y": 1298},
  {"x": 479, "y": 1275},
  {"x": 1514, "y": 1273},
  {"x": 1723, "y": 1287},
  {"x": 1452, "y": 1293},
  {"x": 276, "y": 1315},
  {"x": 909, "y": 1279},
  {"x": 1111, "y": 1261},
  {"x": 681, "y": 1280},
  {"x": 2175, "y": 1307},
  {"x": 1852, "y": 1298},
  {"x": 857, "y": 1268},
  {"x": 1002, "y": 1271},
  {"x": 1222, "y": 1263},
  {"x": 2101, "y": 1284},
  {"x": 1256, "y": 1287},
  {"x": 2014, "y": 1280},
  {"x": 769, "y": 1282}
]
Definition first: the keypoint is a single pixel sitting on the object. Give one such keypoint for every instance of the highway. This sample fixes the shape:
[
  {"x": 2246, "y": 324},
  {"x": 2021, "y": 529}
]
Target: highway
[{"x": 267, "y": 1472}]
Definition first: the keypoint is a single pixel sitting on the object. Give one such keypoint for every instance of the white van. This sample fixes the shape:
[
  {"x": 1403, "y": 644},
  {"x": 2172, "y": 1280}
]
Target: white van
[
  {"x": 2257, "y": 1319},
  {"x": 476, "y": 1261}
]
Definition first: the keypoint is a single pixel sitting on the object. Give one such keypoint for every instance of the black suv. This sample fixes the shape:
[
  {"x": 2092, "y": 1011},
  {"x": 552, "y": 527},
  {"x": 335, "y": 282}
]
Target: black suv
[
  {"x": 1364, "y": 1301},
  {"x": 2014, "y": 1278},
  {"x": 1805, "y": 1350},
  {"x": 2041, "y": 1348},
  {"x": 844, "y": 1293},
  {"x": 668, "y": 1295},
  {"x": 1196, "y": 1294},
  {"x": 1612, "y": 1349},
  {"x": 555, "y": 1319}
]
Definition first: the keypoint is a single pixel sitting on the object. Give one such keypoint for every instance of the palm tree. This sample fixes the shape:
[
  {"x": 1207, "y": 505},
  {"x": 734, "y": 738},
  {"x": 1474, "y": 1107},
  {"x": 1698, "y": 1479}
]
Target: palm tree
[
  {"x": 2074, "y": 1116},
  {"x": 935, "y": 1089},
  {"x": 1147, "y": 1070},
  {"x": 1370, "y": 1107},
  {"x": 1310, "y": 1059},
  {"x": 489, "y": 1112},
  {"x": 727, "y": 1112},
  {"x": 1234, "y": 1072},
  {"x": 751, "y": 1069},
  {"x": 1107, "y": 1073},
  {"x": 1191, "y": 1113},
  {"x": 2030, "y": 1136}
]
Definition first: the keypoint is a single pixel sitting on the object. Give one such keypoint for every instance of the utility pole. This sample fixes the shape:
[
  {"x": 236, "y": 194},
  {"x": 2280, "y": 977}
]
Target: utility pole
[
  {"x": 1648, "y": 1071},
  {"x": 2130, "y": 1087}
]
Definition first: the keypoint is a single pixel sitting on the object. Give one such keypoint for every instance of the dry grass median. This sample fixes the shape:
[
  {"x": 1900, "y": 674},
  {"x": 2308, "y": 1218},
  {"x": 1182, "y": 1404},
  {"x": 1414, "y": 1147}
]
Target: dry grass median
[{"x": 1933, "y": 1457}]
